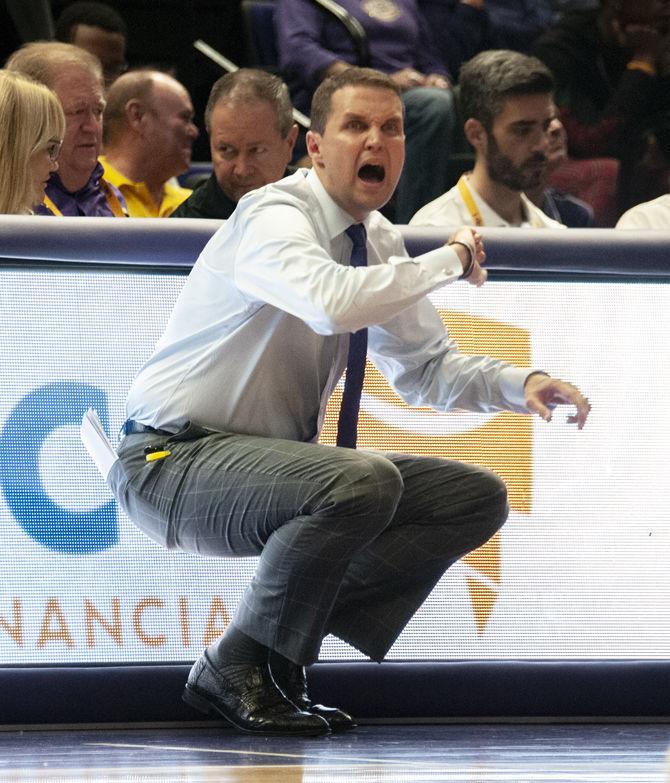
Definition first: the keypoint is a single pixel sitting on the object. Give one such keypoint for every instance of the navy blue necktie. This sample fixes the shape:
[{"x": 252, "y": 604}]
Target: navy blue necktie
[{"x": 358, "y": 348}]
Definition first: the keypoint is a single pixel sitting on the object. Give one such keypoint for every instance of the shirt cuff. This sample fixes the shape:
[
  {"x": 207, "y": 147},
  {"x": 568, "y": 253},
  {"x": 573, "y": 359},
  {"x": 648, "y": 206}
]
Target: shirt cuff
[
  {"x": 512, "y": 381},
  {"x": 442, "y": 263}
]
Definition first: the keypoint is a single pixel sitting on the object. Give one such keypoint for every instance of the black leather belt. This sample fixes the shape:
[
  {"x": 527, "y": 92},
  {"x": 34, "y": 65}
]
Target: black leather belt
[{"x": 132, "y": 427}]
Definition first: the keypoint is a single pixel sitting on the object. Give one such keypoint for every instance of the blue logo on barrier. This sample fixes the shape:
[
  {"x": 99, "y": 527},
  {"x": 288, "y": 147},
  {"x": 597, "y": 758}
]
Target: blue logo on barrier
[{"x": 29, "y": 424}]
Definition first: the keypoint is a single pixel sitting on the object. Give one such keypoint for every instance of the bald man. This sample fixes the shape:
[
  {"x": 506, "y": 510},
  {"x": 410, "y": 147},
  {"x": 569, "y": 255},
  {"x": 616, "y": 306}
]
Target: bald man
[{"x": 148, "y": 139}]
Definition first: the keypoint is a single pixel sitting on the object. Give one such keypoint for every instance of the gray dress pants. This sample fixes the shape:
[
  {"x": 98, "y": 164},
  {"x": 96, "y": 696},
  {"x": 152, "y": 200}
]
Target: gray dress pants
[{"x": 351, "y": 542}]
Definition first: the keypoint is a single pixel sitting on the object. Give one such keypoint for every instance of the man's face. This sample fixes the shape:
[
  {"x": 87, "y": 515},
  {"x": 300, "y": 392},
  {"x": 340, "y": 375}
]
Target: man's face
[
  {"x": 516, "y": 149},
  {"x": 360, "y": 154},
  {"x": 109, "y": 48},
  {"x": 80, "y": 93},
  {"x": 248, "y": 151},
  {"x": 169, "y": 127}
]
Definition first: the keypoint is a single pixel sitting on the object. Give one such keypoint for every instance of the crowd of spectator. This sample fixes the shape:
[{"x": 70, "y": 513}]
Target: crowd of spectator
[{"x": 597, "y": 119}]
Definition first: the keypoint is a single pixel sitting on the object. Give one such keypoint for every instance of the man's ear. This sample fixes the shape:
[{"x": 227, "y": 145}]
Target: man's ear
[
  {"x": 475, "y": 133},
  {"x": 134, "y": 113},
  {"x": 291, "y": 139},
  {"x": 314, "y": 147}
]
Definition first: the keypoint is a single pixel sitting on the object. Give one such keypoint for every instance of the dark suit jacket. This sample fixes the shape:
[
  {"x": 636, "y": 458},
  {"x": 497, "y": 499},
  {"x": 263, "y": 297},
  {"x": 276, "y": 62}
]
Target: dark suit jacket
[{"x": 209, "y": 201}]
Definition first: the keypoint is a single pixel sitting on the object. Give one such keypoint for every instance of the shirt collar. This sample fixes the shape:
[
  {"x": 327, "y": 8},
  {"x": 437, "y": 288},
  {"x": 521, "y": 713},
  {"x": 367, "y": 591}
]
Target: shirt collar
[
  {"x": 492, "y": 219},
  {"x": 337, "y": 220},
  {"x": 92, "y": 184},
  {"x": 120, "y": 178}
]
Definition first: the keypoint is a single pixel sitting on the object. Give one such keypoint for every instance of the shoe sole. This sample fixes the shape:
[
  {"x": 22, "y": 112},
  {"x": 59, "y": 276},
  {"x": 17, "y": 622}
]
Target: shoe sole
[{"x": 204, "y": 705}]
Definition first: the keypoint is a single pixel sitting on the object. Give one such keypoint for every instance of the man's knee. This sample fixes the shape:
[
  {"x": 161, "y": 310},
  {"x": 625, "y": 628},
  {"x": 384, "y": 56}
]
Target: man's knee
[
  {"x": 366, "y": 485},
  {"x": 493, "y": 495}
]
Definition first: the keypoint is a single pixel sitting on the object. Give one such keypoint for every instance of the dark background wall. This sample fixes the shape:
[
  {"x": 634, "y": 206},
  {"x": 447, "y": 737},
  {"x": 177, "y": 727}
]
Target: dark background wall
[{"x": 161, "y": 33}]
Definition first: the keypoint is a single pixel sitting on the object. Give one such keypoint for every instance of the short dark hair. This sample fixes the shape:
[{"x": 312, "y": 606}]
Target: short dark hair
[
  {"x": 249, "y": 85},
  {"x": 351, "y": 77},
  {"x": 492, "y": 76},
  {"x": 90, "y": 13}
]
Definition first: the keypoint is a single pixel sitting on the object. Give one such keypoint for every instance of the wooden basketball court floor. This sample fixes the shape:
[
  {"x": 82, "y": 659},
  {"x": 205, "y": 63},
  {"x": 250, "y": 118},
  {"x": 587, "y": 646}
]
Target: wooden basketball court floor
[{"x": 475, "y": 753}]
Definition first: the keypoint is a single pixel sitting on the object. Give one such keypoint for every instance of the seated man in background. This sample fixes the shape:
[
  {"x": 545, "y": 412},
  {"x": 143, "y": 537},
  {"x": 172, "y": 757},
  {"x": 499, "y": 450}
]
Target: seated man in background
[
  {"x": 251, "y": 131},
  {"x": 566, "y": 209},
  {"x": 653, "y": 214},
  {"x": 507, "y": 100},
  {"x": 100, "y": 30},
  {"x": 149, "y": 135},
  {"x": 78, "y": 188}
]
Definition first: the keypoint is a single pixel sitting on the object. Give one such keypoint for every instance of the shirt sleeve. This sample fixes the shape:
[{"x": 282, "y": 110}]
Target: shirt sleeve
[
  {"x": 302, "y": 56},
  {"x": 422, "y": 363},
  {"x": 280, "y": 261}
]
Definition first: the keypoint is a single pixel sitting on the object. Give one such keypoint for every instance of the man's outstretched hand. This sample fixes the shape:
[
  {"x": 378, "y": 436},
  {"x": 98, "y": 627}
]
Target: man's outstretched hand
[{"x": 543, "y": 393}]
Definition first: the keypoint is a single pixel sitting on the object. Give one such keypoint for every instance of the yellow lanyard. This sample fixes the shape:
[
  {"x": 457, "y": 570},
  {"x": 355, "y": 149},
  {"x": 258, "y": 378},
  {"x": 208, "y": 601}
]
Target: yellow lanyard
[
  {"x": 110, "y": 196},
  {"x": 477, "y": 219},
  {"x": 48, "y": 203},
  {"x": 469, "y": 201}
]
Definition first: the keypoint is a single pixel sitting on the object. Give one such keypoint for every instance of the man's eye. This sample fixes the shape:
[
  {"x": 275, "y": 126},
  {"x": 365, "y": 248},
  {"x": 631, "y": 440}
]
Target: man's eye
[{"x": 355, "y": 125}]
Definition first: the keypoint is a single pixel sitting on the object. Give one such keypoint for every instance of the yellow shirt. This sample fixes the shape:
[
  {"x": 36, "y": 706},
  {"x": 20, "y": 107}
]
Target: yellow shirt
[{"x": 139, "y": 200}]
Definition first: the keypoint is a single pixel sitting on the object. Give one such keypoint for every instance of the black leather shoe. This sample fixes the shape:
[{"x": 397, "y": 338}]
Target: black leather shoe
[
  {"x": 246, "y": 696},
  {"x": 292, "y": 680}
]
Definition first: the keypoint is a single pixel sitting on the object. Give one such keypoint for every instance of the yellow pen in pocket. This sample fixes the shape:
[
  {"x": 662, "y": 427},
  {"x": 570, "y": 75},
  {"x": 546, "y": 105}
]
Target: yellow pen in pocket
[{"x": 154, "y": 456}]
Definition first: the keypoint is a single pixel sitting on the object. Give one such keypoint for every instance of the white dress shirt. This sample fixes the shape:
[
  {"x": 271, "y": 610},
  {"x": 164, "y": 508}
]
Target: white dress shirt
[
  {"x": 258, "y": 337},
  {"x": 449, "y": 210},
  {"x": 652, "y": 214}
]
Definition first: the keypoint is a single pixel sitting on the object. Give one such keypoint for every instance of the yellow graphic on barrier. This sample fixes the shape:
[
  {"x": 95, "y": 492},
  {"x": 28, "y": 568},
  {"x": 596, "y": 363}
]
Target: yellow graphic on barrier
[{"x": 502, "y": 442}]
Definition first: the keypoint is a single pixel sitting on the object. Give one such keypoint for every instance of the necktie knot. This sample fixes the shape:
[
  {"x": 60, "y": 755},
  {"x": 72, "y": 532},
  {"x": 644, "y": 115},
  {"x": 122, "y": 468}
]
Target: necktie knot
[{"x": 357, "y": 235}]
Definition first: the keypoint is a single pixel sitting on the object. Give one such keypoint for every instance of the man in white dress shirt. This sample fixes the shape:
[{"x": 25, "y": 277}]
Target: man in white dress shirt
[
  {"x": 350, "y": 542},
  {"x": 507, "y": 101},
  {"x": 653, "y": 214}
]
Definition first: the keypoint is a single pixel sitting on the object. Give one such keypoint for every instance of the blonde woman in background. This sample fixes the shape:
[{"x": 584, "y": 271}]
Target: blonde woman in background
[{"x": 32, "y": 125}]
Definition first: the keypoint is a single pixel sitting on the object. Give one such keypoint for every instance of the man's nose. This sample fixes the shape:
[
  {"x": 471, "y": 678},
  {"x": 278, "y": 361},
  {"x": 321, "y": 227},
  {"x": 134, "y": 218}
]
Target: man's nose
[
  {"x": 91, "y": 120},
  {"x": 193, "y": 131},
  {"x": 242, "y": 166},
  {"x": 543, "y": 141},
  {"x": 374, "y": 138}
]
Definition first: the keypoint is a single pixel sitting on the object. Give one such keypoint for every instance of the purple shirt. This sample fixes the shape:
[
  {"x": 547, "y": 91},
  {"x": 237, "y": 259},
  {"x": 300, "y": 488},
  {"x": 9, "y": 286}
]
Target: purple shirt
[
  {"x": 89, "y": 201},
  {"x": 309, "y": 40}
]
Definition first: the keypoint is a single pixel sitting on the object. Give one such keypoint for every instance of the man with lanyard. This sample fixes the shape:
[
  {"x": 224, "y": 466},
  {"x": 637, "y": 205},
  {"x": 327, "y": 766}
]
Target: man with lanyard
[
  {"x": 507, "y": 100},
  {"x": 220, "y": 454},
  {"x": 78, "y": 188}
]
